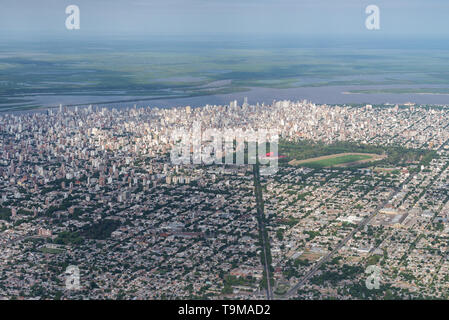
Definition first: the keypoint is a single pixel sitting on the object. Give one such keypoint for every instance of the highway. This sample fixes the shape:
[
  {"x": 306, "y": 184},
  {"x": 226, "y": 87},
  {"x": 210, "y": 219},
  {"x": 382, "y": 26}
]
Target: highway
[{"x": 262, "y": 229}]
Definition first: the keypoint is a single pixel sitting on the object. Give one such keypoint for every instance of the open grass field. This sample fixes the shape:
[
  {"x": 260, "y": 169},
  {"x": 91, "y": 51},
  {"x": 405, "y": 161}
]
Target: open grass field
[
  {"x": 319, "y": 155},
  {"x": 310, "y": 256},
  {"x": 51, "y": 250},
  {"x": 337, "y": 160}
]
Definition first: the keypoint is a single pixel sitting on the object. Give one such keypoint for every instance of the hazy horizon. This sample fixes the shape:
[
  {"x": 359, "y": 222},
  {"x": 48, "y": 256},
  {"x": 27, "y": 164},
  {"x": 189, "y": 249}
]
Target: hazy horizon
[{"x": 46, "y": 19}]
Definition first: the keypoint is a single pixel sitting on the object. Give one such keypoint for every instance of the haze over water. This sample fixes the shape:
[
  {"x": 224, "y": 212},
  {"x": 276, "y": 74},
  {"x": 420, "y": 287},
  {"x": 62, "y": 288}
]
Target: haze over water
[{"x": 162, "y": 53}]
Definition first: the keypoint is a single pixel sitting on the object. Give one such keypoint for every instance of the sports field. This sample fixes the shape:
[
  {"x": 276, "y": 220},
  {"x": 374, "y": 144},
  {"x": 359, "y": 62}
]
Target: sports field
[{"x": 337, "y": 160}]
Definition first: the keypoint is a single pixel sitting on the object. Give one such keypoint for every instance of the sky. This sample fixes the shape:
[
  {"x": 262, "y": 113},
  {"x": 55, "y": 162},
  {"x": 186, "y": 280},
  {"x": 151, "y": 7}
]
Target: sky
[{"x": 23, "y": 19}]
